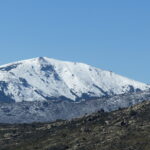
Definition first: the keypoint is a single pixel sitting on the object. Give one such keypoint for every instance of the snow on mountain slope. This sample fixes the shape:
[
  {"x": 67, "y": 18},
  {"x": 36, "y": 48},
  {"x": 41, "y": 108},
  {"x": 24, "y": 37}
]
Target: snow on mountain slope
[{"x": 43, "y": 78}]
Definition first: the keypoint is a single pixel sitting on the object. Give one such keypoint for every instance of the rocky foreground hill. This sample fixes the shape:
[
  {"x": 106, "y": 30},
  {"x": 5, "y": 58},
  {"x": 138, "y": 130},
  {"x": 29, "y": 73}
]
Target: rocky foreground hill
[{"x": 125, "y": 129}]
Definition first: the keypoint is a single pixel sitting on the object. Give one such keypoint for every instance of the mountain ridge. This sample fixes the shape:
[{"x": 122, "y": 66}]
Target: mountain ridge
[{"x": 43, "y": 78}]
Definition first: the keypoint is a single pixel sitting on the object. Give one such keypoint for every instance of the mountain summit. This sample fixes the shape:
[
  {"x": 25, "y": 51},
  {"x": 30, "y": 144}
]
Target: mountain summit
[{"x": 42, "y": 78}]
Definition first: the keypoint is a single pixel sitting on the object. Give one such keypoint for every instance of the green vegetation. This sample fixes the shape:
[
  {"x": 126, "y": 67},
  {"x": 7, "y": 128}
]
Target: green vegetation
[{"x": 125, "y": 129}]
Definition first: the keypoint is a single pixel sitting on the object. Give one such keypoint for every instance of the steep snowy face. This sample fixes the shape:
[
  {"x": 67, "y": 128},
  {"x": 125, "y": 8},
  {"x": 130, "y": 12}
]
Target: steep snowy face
[{"x": 43, "y": 78}]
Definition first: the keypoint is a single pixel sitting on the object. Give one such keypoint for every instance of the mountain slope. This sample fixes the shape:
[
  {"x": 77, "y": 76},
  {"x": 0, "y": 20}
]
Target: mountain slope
[
  {"x": 37, "y": 111},
  {"x": 42, "y": 78},
  {"x": 126, "y": 129}
]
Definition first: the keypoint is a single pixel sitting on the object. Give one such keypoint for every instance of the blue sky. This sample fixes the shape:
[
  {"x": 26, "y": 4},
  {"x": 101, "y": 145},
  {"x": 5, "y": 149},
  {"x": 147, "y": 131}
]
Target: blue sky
[{"x": 109, "y": 34}]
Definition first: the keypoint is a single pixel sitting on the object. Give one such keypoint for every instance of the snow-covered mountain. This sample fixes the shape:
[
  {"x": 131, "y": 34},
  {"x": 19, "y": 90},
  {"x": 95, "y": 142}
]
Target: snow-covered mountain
[{"x": 42, "y": 78}]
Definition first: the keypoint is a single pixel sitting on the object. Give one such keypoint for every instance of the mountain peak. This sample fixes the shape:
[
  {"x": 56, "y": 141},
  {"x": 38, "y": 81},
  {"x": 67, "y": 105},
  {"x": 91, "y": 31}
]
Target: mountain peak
[{"x": 44, "y": 78}]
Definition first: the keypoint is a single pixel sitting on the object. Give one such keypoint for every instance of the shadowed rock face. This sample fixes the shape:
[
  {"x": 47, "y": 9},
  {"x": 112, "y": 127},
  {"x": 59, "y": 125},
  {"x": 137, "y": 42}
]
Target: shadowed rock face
[
  {"x": 50, "y": 71},
  {"x": 10, "y": 67},
  {"x": 5, "y": 98},
  {"x": 28, "y": 112},
  {"x": 24, "y": 82}
]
